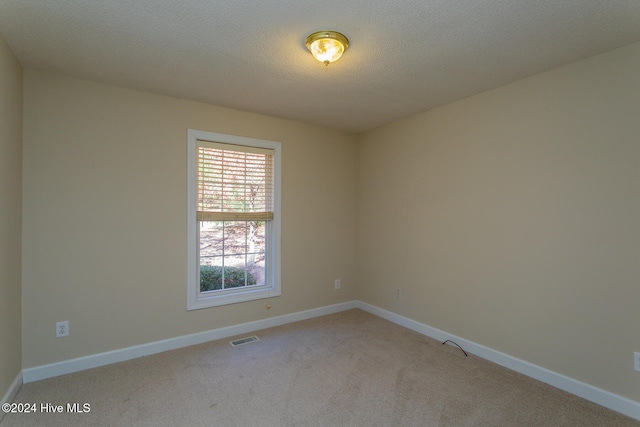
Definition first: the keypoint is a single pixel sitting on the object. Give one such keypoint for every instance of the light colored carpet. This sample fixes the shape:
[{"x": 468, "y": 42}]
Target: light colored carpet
[{"x": 345, "y": 369}]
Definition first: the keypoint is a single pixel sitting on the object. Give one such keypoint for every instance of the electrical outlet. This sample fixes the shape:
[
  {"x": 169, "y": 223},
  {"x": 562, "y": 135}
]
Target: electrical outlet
[
  {"x": 636, "y": 361},
  {"x": 62, "y": 329},
  {"x": 398, "y": 293},
  {"x": 337, "y": 284}
]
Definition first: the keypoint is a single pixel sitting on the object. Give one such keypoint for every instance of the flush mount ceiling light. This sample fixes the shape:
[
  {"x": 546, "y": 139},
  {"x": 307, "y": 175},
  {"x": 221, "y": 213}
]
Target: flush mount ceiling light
[{"x": 327, "y": 46}]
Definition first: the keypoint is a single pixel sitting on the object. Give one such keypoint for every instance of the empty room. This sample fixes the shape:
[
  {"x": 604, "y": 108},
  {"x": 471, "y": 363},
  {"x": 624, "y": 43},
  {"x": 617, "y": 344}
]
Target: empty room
[{"x": 340, "y": 213}]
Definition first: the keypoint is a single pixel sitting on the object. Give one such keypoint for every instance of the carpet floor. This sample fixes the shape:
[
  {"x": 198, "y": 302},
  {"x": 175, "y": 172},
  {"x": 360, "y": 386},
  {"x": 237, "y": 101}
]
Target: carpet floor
[{"x": 346, "y": 369}]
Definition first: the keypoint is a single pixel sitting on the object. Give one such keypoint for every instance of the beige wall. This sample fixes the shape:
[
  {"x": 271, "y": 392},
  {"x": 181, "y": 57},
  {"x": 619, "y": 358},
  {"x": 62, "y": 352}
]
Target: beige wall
[
  {"x": 10, "y": 219},
  {"x": 512, "y": 219},
  {"x": 105, "y": 216}
]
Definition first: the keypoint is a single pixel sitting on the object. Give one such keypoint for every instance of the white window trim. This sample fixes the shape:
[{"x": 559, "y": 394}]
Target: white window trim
[{"x": 196, "y": 300}]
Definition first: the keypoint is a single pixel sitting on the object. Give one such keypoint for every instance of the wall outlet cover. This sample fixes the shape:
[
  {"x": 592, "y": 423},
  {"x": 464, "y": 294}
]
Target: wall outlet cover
[{"x": 62, "y": 329}]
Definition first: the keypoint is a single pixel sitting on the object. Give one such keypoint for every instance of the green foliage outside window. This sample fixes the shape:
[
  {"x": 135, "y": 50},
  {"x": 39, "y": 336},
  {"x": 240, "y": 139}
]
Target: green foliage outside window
[{"x": 211, "y": 277}]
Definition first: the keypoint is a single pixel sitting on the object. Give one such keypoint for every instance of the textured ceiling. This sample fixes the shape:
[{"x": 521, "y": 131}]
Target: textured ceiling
[{"x": 405, "y": 56}]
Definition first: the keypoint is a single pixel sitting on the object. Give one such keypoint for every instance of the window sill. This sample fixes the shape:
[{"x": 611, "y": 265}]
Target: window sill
[{"x": 214, "y": 299}]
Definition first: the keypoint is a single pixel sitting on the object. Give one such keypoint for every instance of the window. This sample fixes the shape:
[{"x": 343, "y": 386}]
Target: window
[{"x": 233, "y": 219}]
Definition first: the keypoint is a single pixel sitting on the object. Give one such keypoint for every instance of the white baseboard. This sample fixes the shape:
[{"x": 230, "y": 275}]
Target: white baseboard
[
  {"x": 11, "y": 393},
  {"x": 604, "y": 398},
  {"x": 102, "y": 359}
]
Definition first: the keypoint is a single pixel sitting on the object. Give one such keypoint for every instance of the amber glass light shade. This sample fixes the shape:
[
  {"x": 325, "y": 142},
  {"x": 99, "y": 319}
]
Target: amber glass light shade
[{"x": 327, "y": 46}]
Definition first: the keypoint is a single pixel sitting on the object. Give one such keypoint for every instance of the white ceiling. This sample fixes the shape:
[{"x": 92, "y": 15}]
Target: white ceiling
[{"x": 405, "y": 56}]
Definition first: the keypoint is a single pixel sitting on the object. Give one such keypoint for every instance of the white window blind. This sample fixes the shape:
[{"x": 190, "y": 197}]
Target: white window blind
[{"x": 234, "y": 183}]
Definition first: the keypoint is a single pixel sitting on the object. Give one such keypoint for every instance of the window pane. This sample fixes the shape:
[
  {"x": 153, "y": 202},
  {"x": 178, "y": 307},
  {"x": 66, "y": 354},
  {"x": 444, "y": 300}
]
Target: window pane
[
  {"x": 234, "y": 271},
  {"x": 235, "y": 237},
  {"x": 256, "y": 253},
  {"x": 255, "y": 236},
  {"x": 210, "y": 273},
  {"x": 257, "y": 270},
  {"x": 211, "y": 238}
]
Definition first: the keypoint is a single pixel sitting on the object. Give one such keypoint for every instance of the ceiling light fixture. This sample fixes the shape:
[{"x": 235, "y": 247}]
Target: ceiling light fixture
[{"x": 327, "y": 46}]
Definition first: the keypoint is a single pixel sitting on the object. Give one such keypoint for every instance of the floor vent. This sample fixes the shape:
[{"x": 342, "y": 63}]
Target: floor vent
[{"x": 242, "y": 341}]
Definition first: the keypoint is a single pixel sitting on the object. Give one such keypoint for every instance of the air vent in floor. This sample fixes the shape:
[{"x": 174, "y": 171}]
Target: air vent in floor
[{"x": 242, "y": 341}]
